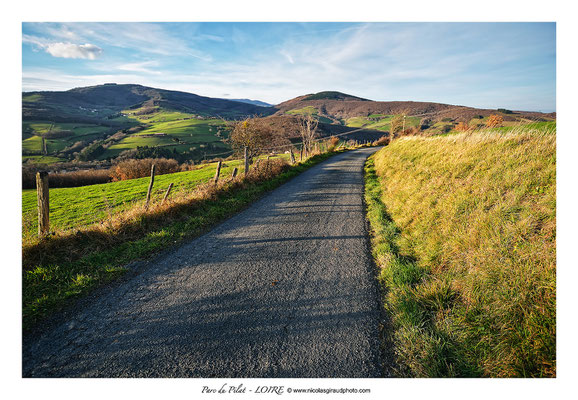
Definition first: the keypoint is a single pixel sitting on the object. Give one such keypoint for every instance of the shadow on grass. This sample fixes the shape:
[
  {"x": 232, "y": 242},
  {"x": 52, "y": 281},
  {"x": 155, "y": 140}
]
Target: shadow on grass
[{"x": 413, "y": 298}]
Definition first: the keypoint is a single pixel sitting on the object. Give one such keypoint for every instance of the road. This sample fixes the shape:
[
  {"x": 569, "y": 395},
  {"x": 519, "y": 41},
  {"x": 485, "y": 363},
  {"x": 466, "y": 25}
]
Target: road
[{"x": 285, "y": 288}]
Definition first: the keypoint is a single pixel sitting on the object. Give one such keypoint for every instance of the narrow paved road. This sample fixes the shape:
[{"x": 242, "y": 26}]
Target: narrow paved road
[{"x": 284, "y": 289}]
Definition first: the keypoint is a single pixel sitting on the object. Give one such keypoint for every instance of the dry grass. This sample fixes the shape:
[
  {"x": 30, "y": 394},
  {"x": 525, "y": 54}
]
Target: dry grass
[
  {"x": 465, "y": 236},
  {"x": 69, "y": 245}
]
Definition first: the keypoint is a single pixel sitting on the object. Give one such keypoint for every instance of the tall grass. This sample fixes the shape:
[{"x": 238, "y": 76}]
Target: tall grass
[{"x": 464, "y": 234}]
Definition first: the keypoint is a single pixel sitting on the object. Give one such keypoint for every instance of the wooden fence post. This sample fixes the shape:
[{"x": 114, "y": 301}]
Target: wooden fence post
[
  {"x": 167, "y": 193},
  {"x": 246, "y": 160},
  {"x": 43, "y": 191},
  {"x": 218, "y": 171},
  {"x": 292, "y": 157},
  {"x": 301, "y": 157},
  {"x": 150, "y": 186},
  {"x": 234, "y": 174}
]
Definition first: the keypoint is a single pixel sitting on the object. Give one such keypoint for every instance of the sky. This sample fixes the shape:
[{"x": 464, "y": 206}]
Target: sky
[{"x": 486, "y": 65}]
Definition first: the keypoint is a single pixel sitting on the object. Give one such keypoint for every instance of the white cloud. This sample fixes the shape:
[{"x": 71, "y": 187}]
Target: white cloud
[
  {"x": 63, "y": 50},
  {"x": 70, "y": 50}
]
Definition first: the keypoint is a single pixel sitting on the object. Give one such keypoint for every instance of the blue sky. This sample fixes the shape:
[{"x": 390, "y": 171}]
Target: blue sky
[{"x": 488, "y": 65}]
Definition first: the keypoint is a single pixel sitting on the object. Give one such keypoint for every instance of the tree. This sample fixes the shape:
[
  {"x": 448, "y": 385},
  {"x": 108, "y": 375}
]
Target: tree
[
  {"x": 494, "y": 121},
  {"x": 462, "y": 127},
  {"x": 253, "y": 134},
  {"x": 396, "y": 124},
  {"x": 308, "y": 131}
]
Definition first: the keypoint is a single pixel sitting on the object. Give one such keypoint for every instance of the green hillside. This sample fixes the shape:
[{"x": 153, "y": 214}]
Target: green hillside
[{"x": 100, "y": 122}]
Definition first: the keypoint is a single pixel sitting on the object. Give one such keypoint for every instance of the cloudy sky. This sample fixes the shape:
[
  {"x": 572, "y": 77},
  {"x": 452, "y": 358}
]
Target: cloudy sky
[{"x": 490, "y": 65}]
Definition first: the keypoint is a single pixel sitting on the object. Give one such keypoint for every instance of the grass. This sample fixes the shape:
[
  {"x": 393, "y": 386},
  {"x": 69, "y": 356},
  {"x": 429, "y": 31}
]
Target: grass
[
  {"x": 71, "y": 263},
  {"x": 72, "y": 208},
  {"x": 183, "y": 133},
  {"x": 464, "y": 233},
  {"x": 310, "y": 110},
  {"x": 43, "y": 159},
  {"x": 32, "y": 143},
  {"x": 380, "y": 122}
]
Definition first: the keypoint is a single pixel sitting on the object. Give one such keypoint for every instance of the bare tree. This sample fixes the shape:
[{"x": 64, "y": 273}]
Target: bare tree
[
  {"x": 308, "y": 131},
  {"x": 252, "y": 134},
  {"x": 398, "y": 123}
]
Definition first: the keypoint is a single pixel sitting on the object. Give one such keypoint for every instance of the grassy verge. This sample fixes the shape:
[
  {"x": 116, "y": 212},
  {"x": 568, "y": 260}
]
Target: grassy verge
[
  {"x": 72, "y": 263},
  {"x": 464, "y": 233}
]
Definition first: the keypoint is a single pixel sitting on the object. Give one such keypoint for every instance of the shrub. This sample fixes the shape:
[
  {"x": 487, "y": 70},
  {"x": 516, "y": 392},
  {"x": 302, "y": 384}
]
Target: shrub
[
  {"x": 425, "y": 123},
  {"x": 382, "y": 141},
  {"x": 494, "y": 121},
  {"x": 67, "y": 179},
  {"x": 462, "y": 127},
  {"x": 131, "y": 169},
  {"x": 333, "y": 142}
]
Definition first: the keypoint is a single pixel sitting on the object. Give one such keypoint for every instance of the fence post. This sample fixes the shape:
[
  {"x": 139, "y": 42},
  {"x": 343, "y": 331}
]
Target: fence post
[
  {"x": 292, "y": 156},
  {"x": 150, "y": 186},
  {"x": 246, "y": 160},
  {"x": 167, "y": 193},
  {"x": 218, "y": 171},
  {"x": 43, "y": 191},
  {"x": 234, "y": 174},
  {"x": 301, "y": 157}
]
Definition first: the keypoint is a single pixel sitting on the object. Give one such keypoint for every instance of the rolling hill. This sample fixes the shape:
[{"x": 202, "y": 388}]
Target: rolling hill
[
  {"x": 104, "y": 121},
  {"x": 111, "y": 120},
  {"x": 345, "y": 109},
  {"x": 100, "y": 103}
]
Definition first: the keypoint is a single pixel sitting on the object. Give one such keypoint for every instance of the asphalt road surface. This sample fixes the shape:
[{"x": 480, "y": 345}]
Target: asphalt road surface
[{"x": 284, "y": 289}]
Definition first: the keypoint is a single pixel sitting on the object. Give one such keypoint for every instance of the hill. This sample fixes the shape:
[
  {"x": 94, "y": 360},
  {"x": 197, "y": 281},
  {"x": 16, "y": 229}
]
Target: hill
[
  {"x": 111, "y": 120},
  {"x": 344, "y": 109},
  {"x": 254, "y": 102},
  {"x": 101, "y": 103},
  {"x": 106, "y": 121}
]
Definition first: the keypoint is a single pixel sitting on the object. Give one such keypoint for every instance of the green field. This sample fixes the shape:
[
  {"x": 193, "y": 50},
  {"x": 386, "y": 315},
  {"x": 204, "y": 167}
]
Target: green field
[
  {"x": 380, "y": 122},
  {"x": 310, "y": 110},
  {"x": 464, "y": 233},
  {"x": 33, "y": 131},
  {"x": 42, "y": 159},
  {"x": 183, "y": 133},
  {"x": 77, "y": 207}
]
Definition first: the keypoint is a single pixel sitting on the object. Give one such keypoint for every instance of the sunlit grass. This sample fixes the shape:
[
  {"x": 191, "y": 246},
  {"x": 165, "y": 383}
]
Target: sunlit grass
[{"x": 464, "y": 233}]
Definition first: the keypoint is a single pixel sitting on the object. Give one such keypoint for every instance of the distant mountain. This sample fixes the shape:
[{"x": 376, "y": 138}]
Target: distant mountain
[
  {"x": 95, "y": 103},
  {"x": 337, "y": 106},
  {"x": 254, "y": 102}
]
